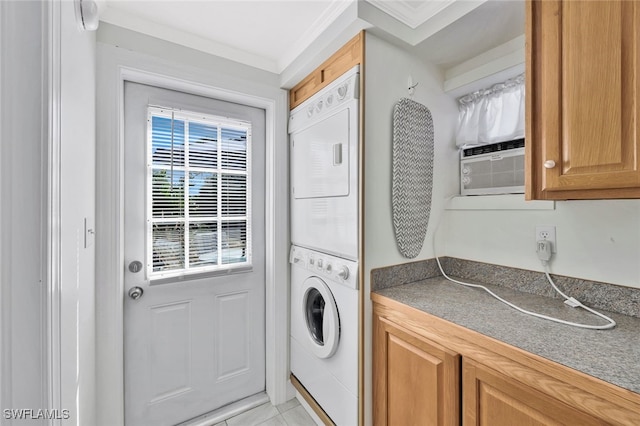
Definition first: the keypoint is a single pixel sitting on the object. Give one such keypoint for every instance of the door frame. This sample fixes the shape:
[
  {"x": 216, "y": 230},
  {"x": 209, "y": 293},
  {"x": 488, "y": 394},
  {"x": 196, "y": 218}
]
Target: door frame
[{"x": 115, "y": 66}]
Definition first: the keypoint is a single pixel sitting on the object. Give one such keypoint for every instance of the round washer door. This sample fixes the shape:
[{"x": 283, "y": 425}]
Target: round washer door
[{"x": 320, "y": 314}]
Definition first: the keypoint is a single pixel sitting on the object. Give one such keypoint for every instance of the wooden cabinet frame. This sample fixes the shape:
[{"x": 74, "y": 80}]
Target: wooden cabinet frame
[{"x": 350, "y": 55}]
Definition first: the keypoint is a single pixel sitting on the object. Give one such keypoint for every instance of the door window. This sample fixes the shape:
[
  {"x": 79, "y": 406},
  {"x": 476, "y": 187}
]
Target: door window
[{"x": 198, "y": 186}]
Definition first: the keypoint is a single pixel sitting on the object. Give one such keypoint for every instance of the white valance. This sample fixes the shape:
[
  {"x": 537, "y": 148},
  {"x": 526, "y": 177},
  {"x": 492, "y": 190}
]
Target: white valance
[{"x": 492, "y": 115}]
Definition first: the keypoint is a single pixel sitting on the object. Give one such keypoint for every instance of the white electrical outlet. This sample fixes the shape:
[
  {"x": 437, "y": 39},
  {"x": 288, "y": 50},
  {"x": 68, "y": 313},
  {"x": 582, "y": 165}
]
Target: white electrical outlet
[{"x": 547, "y": 232}]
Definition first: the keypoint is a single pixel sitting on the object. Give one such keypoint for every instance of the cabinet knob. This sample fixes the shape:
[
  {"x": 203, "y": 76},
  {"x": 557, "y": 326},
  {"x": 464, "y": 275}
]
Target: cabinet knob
[{"x": 549, "y": 164}]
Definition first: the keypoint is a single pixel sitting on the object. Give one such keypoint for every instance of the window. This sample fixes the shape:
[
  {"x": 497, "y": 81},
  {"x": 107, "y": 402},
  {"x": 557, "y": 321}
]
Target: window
[{"x": 198, "y": 186}]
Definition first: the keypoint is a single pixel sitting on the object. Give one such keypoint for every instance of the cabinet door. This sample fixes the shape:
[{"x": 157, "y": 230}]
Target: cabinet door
[
  {"x": 493, "y": 399},
  {"x": 415, "y": 381},
  {"x": 582, "y": 99}
]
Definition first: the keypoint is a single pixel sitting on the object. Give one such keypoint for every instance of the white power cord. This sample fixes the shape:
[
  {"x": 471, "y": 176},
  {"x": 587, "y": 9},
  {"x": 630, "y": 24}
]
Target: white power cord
[{"x": 544, "y": 253}]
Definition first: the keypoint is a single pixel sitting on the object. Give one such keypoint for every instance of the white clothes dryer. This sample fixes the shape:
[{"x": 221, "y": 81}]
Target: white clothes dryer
[
  {"x": 324, "y": 168},
  {"x": 324, "y": 331}
]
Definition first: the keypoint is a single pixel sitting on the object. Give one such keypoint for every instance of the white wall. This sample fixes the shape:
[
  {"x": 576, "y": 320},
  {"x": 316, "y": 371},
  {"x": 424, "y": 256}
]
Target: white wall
[
  {"x": 178, "y": 54},
  {"x": 77, "y": 103},
  {"x": 387, "y": 69},
  {"x": 386, "y": 74},
  {"x": 597, "y": 240},
  {"x": 47, "y": 189},
  {"x": 22, "y": 206}
]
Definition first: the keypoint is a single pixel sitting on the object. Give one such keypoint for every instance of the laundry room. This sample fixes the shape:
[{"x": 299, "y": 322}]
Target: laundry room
[{"x": 347, "y": 212}]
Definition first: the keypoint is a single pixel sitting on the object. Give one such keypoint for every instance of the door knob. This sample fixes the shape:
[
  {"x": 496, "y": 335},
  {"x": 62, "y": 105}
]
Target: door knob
[
  {"x": 549, "y": 164},
  {"x": 136, "y": 293}
]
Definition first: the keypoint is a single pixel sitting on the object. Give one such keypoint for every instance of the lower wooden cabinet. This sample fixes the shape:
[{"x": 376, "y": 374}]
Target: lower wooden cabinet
[
  {"x": 416, "y": 382},
  {"x": 428, "y": 371},
  {"x": 494, "y": 399}
]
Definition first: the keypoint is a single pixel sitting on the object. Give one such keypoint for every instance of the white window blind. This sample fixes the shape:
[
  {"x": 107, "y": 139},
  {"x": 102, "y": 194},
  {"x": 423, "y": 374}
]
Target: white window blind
[{"x": 198, "y": 185}]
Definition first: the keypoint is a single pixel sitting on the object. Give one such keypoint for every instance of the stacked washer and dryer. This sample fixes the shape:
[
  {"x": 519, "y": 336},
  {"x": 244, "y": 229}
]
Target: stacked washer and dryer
[{"x": 324, "y": 253}]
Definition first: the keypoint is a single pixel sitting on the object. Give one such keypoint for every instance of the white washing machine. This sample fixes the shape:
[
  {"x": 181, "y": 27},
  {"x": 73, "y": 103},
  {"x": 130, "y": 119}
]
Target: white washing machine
[{"x": 324, "y": 331}]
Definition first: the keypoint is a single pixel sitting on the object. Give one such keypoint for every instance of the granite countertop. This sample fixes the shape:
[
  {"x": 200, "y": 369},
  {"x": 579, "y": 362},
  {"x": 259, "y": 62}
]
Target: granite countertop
[{"x": 610, "y": 355}]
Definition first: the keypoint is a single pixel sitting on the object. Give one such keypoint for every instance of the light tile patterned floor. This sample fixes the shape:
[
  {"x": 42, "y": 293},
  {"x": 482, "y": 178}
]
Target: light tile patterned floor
[{"x": 291, "y": 413}]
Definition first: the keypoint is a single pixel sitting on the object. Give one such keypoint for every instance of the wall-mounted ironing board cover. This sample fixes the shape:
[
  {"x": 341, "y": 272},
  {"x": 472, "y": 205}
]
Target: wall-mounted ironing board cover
[{"x": 412, "y": 174}]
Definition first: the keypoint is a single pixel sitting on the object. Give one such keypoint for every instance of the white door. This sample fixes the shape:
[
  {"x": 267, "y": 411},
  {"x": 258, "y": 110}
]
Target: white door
[{"x": 194, "y": 220}]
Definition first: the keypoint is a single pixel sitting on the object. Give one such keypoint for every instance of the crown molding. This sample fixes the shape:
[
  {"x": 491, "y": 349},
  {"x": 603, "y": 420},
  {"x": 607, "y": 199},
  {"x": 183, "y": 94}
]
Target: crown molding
[
  {"x": 123, "y": 19},
  {"x": 411, "y": 13},
  {"x": 316, "y": 30}
]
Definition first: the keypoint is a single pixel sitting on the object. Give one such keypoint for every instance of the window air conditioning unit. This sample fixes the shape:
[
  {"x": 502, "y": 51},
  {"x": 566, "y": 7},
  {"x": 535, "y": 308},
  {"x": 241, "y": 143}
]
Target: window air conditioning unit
[{"x": 496, "y": 168}]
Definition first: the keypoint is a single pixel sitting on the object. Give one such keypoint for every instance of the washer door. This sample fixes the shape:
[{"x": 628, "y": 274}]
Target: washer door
[{"x": 320, "y": 313}]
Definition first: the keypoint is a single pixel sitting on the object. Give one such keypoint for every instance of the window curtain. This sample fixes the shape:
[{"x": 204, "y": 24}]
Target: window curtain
[{"x": 492, "y": 115}]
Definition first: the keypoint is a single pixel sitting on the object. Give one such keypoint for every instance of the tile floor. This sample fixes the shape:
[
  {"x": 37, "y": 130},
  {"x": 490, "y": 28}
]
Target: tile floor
[{"x": 291, "y": 413}]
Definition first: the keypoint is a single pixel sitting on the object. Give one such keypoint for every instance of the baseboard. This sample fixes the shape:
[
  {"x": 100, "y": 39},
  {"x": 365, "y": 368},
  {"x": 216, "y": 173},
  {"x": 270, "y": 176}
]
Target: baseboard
[{"x": 310, "y": 405}]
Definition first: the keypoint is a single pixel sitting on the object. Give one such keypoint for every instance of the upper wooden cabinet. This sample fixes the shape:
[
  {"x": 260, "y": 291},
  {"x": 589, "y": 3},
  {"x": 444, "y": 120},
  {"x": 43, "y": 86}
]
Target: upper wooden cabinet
[
  {"x": 583, "y": 90},
  {"x": 349, "y": 55}
]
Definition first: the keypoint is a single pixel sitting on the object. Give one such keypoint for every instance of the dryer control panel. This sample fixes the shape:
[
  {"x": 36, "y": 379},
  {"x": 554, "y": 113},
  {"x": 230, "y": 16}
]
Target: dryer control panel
[
  {"x": 336, "y": 269},
  {"x": 344, "y": 89}
]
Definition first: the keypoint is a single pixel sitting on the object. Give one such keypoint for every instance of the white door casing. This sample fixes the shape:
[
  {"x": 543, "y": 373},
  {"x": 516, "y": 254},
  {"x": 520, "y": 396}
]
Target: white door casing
[
  {"x": 192, "y": 345},
  {"x": 115, "y": 66}
]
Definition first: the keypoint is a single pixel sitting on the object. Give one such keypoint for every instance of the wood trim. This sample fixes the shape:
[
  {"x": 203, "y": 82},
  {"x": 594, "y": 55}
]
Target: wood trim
[
  {"x": 470, "y": 403},
  {"x": 531, "y": 148},
  {"x": 378, "y": 388},
  {"x": 586, "y": 393},
  {"x": 363, "y": 292},
  {"x": 591, "y": 194},
  {"x": 348, "y": 56},
  {"x": 312, "y": 402}
]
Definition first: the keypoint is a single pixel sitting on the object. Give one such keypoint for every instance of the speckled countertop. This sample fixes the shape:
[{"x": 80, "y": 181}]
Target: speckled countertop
[{"x": 610, "y": 355}]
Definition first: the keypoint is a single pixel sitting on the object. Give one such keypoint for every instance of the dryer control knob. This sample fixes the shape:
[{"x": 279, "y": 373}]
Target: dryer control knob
[
  {"x": 328, "y": 268},
  {"x": 342, "y": 91},
  {"x": 343, "y": 272}
]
